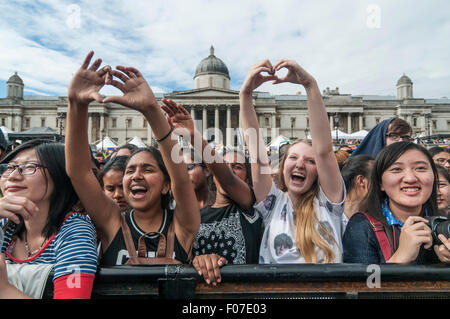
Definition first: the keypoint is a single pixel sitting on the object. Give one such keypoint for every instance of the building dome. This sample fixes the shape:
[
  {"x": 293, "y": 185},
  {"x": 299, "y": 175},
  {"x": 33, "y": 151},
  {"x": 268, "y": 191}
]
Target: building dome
[
  {"x": 212, "y": 65},
  {"x": 404, "y": 80},
  {"x": 15, "y": 79}
]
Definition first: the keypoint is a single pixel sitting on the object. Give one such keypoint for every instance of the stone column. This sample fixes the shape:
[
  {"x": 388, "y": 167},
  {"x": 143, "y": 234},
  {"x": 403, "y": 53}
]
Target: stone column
[
  {"x": 89, "y": 128},
  {"x": 204, "y": 120},
  {"x": 360, "y": 119},
  {"x": 228, "y": 128},
  {"x": 216, "y": 124},
  {"x": 331, "y": 120},
  {"x": 102, "y": 123},
  {"x": 349, "y": 123}
]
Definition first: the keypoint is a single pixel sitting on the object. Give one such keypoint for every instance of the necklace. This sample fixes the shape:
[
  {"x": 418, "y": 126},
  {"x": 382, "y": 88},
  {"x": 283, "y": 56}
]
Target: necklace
[{"x": 27, "y": 248}]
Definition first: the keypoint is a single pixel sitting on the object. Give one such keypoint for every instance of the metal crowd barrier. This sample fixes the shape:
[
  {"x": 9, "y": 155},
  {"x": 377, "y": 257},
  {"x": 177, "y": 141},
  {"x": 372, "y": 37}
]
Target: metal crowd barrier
[{"x": 306, "y": 281}]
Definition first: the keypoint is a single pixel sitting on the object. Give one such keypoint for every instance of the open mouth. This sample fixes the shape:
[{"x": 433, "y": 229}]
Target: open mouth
[
  {"x": 138, "y": 192},
  {"x": 298, "y": 177}
]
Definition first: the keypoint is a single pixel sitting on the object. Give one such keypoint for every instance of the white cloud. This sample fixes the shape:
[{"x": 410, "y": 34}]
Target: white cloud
[{"x": 167, "y": 39}]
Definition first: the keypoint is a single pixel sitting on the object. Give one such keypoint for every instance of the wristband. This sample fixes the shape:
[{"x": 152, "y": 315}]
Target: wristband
[{"x": 167, "y": 135}]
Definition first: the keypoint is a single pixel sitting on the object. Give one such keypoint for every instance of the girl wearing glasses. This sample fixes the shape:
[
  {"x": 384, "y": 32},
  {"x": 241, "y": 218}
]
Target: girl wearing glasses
[
  {"x": 149, "y": 177},
  {"x": 38, "y": 222},
  {"x": 230, "y": 228}
]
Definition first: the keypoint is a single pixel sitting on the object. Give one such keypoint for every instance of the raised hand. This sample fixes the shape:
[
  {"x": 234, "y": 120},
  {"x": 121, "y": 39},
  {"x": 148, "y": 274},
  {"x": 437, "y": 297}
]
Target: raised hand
[
  {"x": 86, "y": 82},
  {"x": 254, "y": 77},
  {"x": 296, "y": 74},
  {"x": 178, "y": 117},
  {"x": 137, "y": 93}
]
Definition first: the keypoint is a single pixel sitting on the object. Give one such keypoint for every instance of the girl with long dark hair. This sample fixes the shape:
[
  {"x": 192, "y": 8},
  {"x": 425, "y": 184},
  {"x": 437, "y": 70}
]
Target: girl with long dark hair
[
  {"x": 150, "y": 175},
  {"x": 40, "y": 226},
  {"x": 402, "y": 192}
]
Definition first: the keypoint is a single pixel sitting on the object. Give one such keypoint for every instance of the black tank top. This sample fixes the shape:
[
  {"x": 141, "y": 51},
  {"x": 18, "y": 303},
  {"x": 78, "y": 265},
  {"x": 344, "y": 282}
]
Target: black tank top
[{"x": 116, "y": 254}]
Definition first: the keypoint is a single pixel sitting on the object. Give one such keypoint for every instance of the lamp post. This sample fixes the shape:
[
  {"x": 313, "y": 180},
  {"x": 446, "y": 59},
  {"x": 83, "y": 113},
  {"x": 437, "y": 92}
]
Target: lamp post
[
  {"x": 103, "y": 137},
  {"x": 428, "y": 123},
  {"x": 126, "y": 129},
  {"x": 60, "y": 118},
  {"x": 336, "y": 124},
  {"x": 292, "y": 127}
]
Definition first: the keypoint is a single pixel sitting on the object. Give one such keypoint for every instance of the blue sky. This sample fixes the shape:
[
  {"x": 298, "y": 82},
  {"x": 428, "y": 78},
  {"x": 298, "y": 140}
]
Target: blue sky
[{"x": 362, "y": 47}]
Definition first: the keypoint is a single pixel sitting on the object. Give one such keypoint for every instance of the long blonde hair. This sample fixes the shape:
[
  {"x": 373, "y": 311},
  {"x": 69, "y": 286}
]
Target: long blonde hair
[{"x": 307, "y": 237}]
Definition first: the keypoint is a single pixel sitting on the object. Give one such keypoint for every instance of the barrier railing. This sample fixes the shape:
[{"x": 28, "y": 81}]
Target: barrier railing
[{"x": 335, "y": 281}]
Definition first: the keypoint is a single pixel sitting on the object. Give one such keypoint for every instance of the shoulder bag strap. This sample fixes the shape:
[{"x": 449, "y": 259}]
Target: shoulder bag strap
[
  {"x": 142, "y": 247},
  {"x": 381, "y": 236},
  {"x": 127, "y": 237}
]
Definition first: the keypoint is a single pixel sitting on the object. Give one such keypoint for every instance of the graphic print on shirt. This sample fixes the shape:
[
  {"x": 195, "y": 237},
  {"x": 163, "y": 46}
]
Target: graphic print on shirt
[
  {"x": 268, "y": 202},
  {"x": 224, "y": 237},
  {"x": 282, "y": 243},
  {"x": 284, "y": 212},
  {"x": 326, "y": 232}
]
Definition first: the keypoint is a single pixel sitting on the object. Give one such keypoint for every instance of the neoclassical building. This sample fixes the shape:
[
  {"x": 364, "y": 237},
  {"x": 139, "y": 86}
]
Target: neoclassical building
[{"x": 214, "y": 105}]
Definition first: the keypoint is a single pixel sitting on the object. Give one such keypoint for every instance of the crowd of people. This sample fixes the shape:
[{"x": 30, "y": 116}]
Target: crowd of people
[{"x": 61, "y": 207}]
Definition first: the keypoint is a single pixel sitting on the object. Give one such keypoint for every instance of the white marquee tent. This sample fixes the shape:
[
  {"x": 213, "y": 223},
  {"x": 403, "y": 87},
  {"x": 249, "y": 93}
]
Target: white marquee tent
[
  {"x": 340, "y": 135},
  {"x": 137, "y": 141},
  {"x": 106, "y": 143},
  {"x": 359, "y": 135}
]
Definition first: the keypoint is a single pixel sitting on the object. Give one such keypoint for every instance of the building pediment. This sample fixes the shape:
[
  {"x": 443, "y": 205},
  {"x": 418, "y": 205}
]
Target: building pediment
[{"x": 203, "y": 92}]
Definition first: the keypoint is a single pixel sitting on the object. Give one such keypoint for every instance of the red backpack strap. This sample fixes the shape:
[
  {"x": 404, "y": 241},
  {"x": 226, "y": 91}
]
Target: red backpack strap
[{"x": 381, "y": 236}]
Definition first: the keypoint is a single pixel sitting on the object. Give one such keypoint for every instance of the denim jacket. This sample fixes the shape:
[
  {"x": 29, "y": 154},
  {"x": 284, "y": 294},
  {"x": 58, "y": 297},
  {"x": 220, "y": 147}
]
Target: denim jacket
[{"x": 361, "y": 245}]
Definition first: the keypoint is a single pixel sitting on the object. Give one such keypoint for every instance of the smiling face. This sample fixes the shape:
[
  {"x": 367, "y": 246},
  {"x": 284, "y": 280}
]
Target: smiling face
[
  {"x": 32, "y": 186},
  {"x": 443, "y": 194},
  {"x": 113, "y": 187},
  {"x": 408, "y": 182},
  {"x": 299, "y": 169},
  {"x": 144, "y": 182}
]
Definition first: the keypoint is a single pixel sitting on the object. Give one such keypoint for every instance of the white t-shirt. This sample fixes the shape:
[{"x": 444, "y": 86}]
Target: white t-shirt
[{"x": 278, "y": 243}]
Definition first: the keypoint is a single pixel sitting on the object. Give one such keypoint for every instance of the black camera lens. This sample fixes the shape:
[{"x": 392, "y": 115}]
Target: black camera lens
[
  {"x": 443, "y": 228},
  {"x": 439, "y": 225}
]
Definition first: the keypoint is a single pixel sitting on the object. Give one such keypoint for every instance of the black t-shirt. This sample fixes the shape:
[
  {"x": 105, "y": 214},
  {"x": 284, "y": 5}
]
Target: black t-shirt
[
  {"x": 230, "y": 232},
  {"x": 117, "y": 253}
]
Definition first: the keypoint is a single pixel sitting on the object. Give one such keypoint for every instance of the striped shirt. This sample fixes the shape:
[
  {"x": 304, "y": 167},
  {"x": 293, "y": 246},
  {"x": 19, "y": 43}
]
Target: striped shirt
[{"x": 72, "y": 250}]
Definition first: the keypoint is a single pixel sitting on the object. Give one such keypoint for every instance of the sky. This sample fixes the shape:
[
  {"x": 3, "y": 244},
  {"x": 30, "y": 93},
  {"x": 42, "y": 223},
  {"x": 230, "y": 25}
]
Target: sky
[{"x": 362, "y": 47}]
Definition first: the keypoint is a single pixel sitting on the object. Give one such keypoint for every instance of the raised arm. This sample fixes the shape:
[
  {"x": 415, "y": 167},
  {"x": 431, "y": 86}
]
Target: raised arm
[
  {"x": 139, "y": 96},
  {"x": 327, "y": 166},
  {"x": 83, "y": 89},
  {"x": 237, "y": 189},
  {"x": 262, "y": 180}
]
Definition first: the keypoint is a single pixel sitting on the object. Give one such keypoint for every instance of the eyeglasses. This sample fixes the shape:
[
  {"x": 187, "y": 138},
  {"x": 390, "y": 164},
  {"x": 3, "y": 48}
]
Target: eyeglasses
[
  {"x": 24, "y": 169},
  {"x": 442, "y": 161},
  {"x": 396, "y": 137}
]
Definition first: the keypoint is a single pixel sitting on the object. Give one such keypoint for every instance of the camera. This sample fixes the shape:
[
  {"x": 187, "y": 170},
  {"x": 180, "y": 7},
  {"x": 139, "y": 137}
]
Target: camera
[{"x": 439, "y": 225}]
